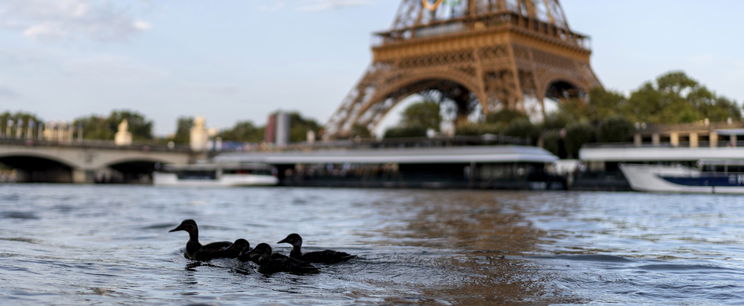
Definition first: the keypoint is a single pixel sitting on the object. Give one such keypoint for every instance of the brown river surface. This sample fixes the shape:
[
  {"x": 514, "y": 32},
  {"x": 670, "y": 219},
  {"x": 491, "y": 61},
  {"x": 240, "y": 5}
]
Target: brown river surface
[{"x": 69, "y": 245}]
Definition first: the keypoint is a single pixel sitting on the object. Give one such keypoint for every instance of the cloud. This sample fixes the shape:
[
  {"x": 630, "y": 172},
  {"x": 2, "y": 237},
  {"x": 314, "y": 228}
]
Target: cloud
[{"x": 54, "y": 20}]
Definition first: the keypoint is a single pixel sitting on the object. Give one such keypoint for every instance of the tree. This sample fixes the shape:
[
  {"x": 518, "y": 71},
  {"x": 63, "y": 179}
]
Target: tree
[
  {"x": 552, "y": 142},
  {"x": 522, "y": 128},
  {"x": 506, "y": 116},
  {"x": 424, "y": 114},
  {"x": 477, "y": 129},
  {"x": 615, "y": 129},
  {"x": 360, "y": 130},
  {"x": 14, "y": 119},
  {"x": 405, "y": 132},
  {"x": 104, "y": 128},
  {"x": 578, "y": 134},
  {"x": 604, "y": 103},
  {"x": 183, "y": 130},
  {"x": 243, "y": 131},
  {"x": 676, "y": 98},
  {"x": 139, "y": 126},
  {"x": 299, "y": 126},
  {"x": 556, "y": 121},
  {"x": 94, "y": 127}
]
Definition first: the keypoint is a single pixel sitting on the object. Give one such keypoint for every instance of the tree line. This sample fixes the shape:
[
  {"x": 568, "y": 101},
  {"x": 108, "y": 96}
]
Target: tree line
[
  {"x": 98, "y": 127},
  {"x": 607, "y": 117}
]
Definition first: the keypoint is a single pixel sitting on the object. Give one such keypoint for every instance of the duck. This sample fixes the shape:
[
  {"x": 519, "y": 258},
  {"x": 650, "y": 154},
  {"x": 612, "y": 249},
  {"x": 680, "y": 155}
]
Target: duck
[
  {"x": 324, "y": 257},
  {"x": 233, "y": 251},
  {"x": 194, "y": 249},
  {"x": 269, "y": 262}
]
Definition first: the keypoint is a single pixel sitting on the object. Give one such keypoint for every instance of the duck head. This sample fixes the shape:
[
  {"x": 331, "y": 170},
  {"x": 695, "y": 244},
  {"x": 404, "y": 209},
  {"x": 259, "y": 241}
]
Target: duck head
[
  {"x": 260, "y": 253},
  {"x": 187, "y": 225},
  {"x": 293, "y": 239},
  {"x": 241, "y": 245}
]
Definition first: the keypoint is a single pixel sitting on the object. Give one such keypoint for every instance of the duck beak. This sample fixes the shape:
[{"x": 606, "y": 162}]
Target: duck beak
[
  {"x": 178, "y": 228},
  {"x": 283, "y": 241}
]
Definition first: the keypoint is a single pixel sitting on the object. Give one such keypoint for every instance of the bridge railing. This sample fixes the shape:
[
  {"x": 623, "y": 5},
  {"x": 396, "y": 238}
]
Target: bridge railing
[
  {"x": 95, "y": 144},
  {"x": 457, "y": 141}
]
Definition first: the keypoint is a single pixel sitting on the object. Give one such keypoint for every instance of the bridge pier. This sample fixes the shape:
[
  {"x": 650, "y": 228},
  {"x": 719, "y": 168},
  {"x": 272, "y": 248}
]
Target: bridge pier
[{"x": 83, "y": 176}]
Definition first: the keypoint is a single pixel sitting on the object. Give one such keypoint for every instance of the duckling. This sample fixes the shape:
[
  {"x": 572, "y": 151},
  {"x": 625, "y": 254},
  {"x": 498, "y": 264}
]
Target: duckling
[
  {"x": 193, "y": 247},
  {"x": 326, "y": 256},
  {"x": 233, "y": 251},
  {"x": 269, "y": 262},
  {"x": 237, "y": 248}
]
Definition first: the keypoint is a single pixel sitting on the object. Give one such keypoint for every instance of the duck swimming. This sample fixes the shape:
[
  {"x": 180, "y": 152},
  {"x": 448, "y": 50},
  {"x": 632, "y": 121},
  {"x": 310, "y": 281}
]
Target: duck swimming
[
  {"x": 233, "y": 251},
  {"x": 194, "y": 249},
  {"x": 326, "y": 256},
  {"x": 269, "y": 262}
]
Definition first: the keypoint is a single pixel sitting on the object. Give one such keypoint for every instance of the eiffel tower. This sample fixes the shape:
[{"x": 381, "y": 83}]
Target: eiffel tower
[{"x": 482, "y": 55}]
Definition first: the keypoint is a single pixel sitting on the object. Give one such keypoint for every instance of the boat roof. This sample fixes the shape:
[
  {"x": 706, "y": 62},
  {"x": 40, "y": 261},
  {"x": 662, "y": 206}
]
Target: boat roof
[
  {"x": 730, "y": 132},
  {"x": 218, "y": 165},
  {"x": 721, "y": 162},
  {"x": 626, "y": 154},
  {"x": 429, "y": 155}
]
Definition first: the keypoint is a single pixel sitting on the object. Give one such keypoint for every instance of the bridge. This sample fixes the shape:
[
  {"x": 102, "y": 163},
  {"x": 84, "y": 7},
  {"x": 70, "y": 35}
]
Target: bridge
[{"x": 87, "y": 161}]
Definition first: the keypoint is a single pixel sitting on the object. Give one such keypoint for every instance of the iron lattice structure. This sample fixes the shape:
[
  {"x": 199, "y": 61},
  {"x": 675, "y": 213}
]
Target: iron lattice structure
[{"x": 486, "y": 54}]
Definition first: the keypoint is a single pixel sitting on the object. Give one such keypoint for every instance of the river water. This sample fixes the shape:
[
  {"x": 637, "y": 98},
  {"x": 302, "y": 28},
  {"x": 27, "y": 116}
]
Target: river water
[{"x": 67, "y": 244}]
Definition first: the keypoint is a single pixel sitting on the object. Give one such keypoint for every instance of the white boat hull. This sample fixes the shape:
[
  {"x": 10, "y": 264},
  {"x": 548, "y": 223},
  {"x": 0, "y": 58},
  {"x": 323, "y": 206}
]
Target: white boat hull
[
  {"x": 225, "y": 180},
  {"x": 680, "y": 179}
]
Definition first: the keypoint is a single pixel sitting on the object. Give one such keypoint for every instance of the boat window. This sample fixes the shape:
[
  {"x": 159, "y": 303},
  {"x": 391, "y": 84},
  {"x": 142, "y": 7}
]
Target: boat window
[
  {"x": 248, "y": 171},
  {"x": 196, "y": 175}
]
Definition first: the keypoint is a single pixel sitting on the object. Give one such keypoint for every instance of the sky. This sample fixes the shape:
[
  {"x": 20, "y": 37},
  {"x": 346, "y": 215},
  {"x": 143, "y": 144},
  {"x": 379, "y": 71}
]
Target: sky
[{"x": 233, "y": 60}]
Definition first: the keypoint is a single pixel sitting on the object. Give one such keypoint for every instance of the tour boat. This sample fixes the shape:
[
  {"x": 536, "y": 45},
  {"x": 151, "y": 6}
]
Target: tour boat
[
  {"x": 215, "y": 175},
  {"x": 711, "y": 176}
]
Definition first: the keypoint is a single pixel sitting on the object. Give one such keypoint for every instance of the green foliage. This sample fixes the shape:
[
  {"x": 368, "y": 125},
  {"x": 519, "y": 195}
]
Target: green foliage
[
  {"x": 551, "y": 140},
  {"x": 361, "y": 131},
  {"x": 416, "y": 119},
  {"x": 104, "y": 128},
  {"x": 506, "y": 116},
  {"x": 615, "y": 129},
  {"x": 299, "y": 126},
  {"x": 405, "y": 132},
  {"x": 677, "y": 98},
  {"x": 17, "y": 117},
  {"x": 95, "y": 127},
  {"x": 577, "y": 134},
  {"x": 424, "y": 114},
  {"x": 604, "y": 103},
  {"x": 556, "y": 121},
  {"x": 609, "y": 116},
  {"x": 522, "y": 128},
  {"x": 183, "y": 130},
  {"x": 477, "y": 129},
  {"x": 243, "y": 131},
  {"x": 139, "y": 126}
]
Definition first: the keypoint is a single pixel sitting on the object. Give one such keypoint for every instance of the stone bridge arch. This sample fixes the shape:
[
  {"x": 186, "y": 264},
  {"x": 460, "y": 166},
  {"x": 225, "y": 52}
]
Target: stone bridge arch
[
  {"x": 35, "y": 167},
  {"x": 86, "y": 162}
]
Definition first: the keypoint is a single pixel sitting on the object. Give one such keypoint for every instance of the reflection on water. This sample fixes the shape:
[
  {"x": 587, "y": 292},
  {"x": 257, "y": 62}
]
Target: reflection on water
[{"x": 93, "y": 244}]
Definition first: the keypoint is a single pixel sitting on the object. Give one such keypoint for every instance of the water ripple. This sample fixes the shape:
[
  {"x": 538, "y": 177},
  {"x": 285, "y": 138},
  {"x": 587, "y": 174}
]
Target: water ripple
[{"x": 110, "y": 245}]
